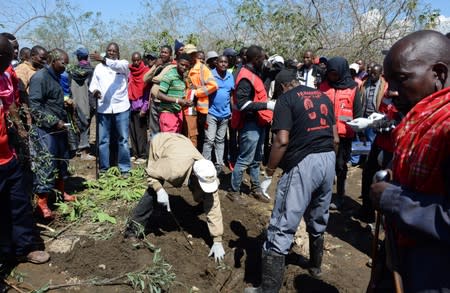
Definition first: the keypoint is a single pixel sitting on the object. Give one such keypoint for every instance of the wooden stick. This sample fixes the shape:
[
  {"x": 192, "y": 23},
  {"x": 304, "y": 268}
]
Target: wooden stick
[
  {"x": 398, "y": 282},
  {"x": 106, "y": 282},
  {"x": 46, "y": 227},
  {"x": 97, "y": 143},
  {"x": 375, "y": 240},
  {"x": 59, "y": 286},
  {"x": 13, "y": 286},
  {"x": 63, "y": 229},
  {"x": 53, "y": 237}
]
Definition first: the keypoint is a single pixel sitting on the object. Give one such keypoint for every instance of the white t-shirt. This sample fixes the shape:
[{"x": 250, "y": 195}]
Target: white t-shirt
[
  {"x": 308, "y": 78},
  {"x": 112, "y": 81}
]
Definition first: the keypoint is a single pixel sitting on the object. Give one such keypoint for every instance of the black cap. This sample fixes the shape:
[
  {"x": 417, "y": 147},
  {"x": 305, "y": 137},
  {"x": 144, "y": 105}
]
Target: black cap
[
  {"x": 151, "y": 55},
  {"x": 286, "y": 75},
  {"x": 229, "y": 52}
]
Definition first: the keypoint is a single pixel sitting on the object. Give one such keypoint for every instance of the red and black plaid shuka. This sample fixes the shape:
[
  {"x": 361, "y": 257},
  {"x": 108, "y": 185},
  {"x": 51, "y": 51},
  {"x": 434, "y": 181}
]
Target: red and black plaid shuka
[{"x": 422, "y": 145}]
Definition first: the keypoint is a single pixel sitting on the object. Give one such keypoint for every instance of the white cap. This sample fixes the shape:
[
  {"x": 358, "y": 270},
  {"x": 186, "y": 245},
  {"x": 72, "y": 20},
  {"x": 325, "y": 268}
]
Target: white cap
[
  {"x": 207, "y": 175},
  {"x": 355, "y": 67},
  {"x": 276, "y": 59}
]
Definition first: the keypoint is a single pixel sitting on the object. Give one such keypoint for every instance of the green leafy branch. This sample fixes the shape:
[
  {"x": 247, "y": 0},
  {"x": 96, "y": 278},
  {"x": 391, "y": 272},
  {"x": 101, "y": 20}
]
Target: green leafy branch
[{"x": 110, "y": 186}]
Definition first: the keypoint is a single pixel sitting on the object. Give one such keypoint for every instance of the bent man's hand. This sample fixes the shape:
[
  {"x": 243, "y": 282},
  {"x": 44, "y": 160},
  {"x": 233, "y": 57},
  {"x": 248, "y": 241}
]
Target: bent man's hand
[
  {"x": 163, "y": 198},
  {"x": 217, "y": 251}
]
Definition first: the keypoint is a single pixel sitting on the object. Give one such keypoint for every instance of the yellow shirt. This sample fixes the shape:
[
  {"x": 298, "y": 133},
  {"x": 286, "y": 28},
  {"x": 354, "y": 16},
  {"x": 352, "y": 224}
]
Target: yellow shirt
[{"x": 24, "y": 73}]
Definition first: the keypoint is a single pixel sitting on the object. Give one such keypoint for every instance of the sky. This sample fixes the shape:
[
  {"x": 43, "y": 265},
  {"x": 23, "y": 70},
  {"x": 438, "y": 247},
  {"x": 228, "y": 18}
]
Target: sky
[
  {"x": 112, "y": 9},
  {"x": 442, "y": 5},
  {"x": 115, "y": 9}
]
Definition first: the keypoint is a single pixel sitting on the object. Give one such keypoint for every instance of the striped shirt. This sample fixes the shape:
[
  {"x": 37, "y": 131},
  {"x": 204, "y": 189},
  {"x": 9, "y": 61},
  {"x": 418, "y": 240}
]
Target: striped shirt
[{"x": 173, "y": 85}]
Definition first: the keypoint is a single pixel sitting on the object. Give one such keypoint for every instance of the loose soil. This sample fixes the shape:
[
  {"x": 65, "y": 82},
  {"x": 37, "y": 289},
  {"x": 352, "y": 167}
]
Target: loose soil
[{"x": 101, "y": 252}]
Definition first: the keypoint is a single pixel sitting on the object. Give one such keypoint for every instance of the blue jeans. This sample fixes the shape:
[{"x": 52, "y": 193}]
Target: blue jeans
[
  {"x": 215, "y": 137},
  {"x": 370, "y": 134},
  {"x": 84, "y": 136},
  {"x": 355, "y": 158},
  {"x": 121, "y": 123},
  {"x": 304, "y": 191},
  {"x": 251, "y": 140}
]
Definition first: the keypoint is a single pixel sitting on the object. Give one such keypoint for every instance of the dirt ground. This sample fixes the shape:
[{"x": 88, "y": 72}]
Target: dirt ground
[{"x": 99, "y": 251}]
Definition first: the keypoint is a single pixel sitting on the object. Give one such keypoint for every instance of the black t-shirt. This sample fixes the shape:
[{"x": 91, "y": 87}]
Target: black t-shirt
[{"x": 308, "y": 115}]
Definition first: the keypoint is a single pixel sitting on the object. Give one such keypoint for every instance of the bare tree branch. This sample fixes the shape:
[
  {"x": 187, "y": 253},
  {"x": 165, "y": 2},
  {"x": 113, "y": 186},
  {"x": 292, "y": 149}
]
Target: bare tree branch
[{"x": 23, "y": 24}]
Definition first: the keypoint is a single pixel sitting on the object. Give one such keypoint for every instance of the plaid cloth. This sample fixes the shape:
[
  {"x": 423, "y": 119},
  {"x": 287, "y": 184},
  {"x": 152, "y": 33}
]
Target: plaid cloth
[{"x": 422, "y": 145}]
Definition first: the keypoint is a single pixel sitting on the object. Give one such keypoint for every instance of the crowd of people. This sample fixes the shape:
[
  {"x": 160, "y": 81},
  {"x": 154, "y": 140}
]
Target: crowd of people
[{"x": 190, "y": 116}]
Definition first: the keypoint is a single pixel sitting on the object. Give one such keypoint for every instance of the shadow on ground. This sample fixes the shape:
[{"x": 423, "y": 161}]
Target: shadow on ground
[
  {"x": 343, "y": 226},
  {"x": 307, "y": 284}
]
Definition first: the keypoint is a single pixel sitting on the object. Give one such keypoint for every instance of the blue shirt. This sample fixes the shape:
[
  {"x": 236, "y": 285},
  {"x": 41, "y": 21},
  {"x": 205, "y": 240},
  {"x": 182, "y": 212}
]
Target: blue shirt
[
  {"x": 219, "y": 101},
  {"x": 65, "y": 83}
]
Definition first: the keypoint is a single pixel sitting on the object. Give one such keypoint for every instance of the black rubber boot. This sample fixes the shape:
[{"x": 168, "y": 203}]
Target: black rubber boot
[
  {"x": 340, "y": 183},
  {"x": 272, "y": 271},
  {"x": 315, "y": 255}
]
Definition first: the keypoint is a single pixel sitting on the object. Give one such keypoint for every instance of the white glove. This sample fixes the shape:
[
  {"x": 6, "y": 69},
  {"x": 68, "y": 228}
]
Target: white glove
[
  {"x": 359, "y": 124},
  {"x": 376, "y": 116},
  {"x": 376, "y": 119},
  {"x": 163, "y": 198},
  {"x": 218, "y": 251},
  {"x": 265, "y": 186},
  {"x": 270, "y": 105}
]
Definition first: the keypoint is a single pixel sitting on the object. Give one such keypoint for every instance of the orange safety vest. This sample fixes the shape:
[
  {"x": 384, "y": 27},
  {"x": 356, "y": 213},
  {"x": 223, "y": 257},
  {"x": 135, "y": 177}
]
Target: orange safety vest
[
  {"x": 343, "y": 107},
  {"x": 201, "y": 100},
  {"x": 264, "y": 116}
]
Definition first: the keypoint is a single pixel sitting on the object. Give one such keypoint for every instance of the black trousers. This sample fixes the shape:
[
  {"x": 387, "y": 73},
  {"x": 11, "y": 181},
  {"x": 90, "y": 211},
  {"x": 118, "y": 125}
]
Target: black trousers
[
  {"x": 231, "y": 144},
  {"x": 17, "y": 226},
  {"x": 201, "y": 126},
  {"x": 155, "y": 109},
  {"x": 140, "y": 216},
  {"x": 370, "y": 168},
  {"x": 138, "y": 135},
  {"x": 342, "y": 157},
  {"x": 267, "y": 144}
]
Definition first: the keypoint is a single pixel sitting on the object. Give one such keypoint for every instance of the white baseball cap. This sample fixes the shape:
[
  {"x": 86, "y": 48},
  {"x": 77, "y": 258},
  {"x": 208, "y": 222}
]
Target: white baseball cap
[
  {"x": 276, "y": 59},
  {"x": 207, "y": 175},
  {"x": 355, "y": 67}
]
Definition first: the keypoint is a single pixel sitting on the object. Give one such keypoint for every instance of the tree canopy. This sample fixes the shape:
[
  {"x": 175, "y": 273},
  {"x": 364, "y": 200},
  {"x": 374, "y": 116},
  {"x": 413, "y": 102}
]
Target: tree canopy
[{"x": 349, "y": 28}]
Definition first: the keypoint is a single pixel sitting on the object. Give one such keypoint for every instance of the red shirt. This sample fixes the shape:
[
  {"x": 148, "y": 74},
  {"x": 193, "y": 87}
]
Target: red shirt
[
  {"x": 6, "y": 99},
  {"x": 385, "y": 140},
  {"x": 15, "y": 82}
]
